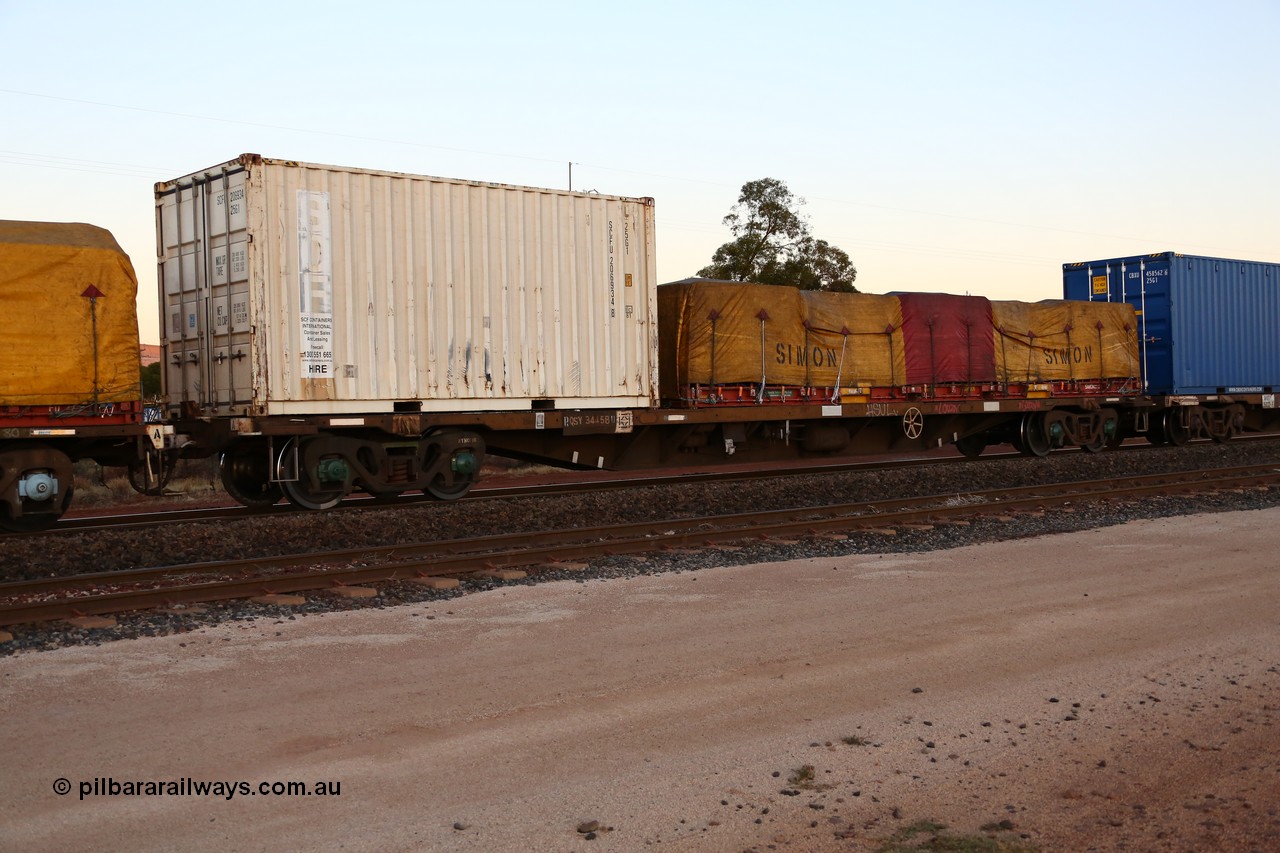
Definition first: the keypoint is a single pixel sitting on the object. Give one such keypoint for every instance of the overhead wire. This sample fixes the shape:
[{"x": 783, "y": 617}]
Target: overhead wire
[{"x": 74, "y": 164}]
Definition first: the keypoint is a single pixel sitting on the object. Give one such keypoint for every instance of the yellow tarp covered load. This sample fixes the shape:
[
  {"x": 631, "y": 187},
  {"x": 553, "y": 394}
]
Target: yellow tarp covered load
[
  {"x": 69, "y": 321},
  {"x": 723, "y": 333},
  {"x": 860, "y": 339},
  {"x": 1056, "y": 340}
]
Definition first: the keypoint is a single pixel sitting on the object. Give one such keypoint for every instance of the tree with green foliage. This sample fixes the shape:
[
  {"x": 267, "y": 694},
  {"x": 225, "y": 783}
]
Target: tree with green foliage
[
  {"x": 772, "y": 245},
  {"x": 151, "y": 381}
]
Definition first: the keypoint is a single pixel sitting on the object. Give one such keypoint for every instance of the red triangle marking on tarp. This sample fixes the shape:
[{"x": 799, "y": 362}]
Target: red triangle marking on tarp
[{"x": 92, "y": 292}]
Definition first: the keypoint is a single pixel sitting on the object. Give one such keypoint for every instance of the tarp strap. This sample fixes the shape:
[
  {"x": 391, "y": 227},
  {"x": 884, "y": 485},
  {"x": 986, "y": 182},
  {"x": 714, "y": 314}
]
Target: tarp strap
[
  {"x": 1004, "y": 357},
  {"x": 1071, "y": 365},
  {"x": 933, "y": 359},
  {"x": 893, "y": 368},
  {"x": 968, "y": 346},
  {"x": 844, "y": 343},
  {"x": 713, "y": 316},
  {"x": 808, "y": 376},
  {"x": 764, "y": 316},
  {"x": 1102, "y": 355},
  {"x": 1031, "y": 345}
]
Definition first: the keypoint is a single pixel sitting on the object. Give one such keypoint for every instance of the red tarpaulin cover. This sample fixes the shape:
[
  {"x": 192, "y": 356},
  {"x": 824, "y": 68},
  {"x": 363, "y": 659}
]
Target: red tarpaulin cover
[{"x": 947, "y": 338}]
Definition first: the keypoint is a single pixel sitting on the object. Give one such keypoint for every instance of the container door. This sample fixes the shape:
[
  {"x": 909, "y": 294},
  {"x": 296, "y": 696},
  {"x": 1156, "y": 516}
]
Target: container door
[
  {"x": 204, "y": 288},
  {"x": 1144, "y": 284},
  {"x": 1146, "y": 288},
  {"x": 228, "y": 275},
  {"x": 181, "y": 296}
]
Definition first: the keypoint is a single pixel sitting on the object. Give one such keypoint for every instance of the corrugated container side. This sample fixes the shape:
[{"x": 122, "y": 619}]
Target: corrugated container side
[
  {"x": 355, "y": 290},
  {"x": 1208, "y": 325}
]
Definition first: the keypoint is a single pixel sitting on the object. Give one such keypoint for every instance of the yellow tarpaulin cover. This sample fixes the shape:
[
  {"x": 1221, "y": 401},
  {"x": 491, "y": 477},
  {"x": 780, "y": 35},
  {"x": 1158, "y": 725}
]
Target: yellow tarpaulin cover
[
  {"x": 861, "y": 336},
  {"x": 61, "y": 344},
  {"x": 1033, "y": 343},
  {"x": 723, "y": 333},
  {"x": 727, "y": 332}
]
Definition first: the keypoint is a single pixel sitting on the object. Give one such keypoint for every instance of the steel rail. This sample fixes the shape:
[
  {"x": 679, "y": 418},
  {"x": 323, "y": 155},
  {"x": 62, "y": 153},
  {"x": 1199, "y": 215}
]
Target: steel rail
[
  {"x": 546, "y": 548},
  {"x": 617, "y": 480}
]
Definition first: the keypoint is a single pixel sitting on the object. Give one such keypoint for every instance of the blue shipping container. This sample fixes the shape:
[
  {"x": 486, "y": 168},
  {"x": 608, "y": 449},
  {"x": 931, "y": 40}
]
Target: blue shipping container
[{"x": 1207, "y": 325}]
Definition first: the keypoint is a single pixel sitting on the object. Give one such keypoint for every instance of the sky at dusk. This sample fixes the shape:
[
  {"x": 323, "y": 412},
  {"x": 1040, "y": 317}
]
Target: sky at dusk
[{"x": 969, "y": 148}]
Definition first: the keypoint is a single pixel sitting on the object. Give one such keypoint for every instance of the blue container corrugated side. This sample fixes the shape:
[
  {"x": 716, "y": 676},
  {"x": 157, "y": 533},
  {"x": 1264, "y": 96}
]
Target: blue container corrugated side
[{"x": 1206, "y": 325}]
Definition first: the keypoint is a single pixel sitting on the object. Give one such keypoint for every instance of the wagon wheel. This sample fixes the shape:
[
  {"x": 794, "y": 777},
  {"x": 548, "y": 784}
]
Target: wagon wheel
[
  {"x": 1175, "y": 431},
  {"x": 1224, "y": 429},
  {"x": 150, "y": 474},
  {"x": 1116, "y": 439},
  {"x": 456, "y": 468},
  {"x": 1155, "y": 432},
  {"x": 971, "y": 446},
  {"x": 34, "y": 521},
  {"x": 1096, "y": 444},
  {"x": 1032, "y": 438},
  {"x": 53, "y": 470},
  {"x": 1107, "y": 434},
  {"x": 310, "y": 490},
  {"x": 913, "y": 423},
  {"x": 245, "y": 470},
  {"x": 449, "y": 485},
  {"x": 442, "y": 491}
]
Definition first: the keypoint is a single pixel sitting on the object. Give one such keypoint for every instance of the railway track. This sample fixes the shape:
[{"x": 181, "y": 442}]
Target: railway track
[
  {"x": 49, "y": 599},
  {"x": 588, "y": 481}
]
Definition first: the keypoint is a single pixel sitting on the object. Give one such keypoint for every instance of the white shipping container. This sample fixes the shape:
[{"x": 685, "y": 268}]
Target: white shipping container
[{"x": 292, "y": 289}]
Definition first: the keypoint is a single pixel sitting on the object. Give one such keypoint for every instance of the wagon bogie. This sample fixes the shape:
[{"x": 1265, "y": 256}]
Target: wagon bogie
[{"x": 317, "y": 469}]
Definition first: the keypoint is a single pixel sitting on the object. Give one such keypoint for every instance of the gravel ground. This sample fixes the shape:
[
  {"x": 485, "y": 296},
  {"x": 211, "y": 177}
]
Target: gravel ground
[
  {"x": 1113, "y": 689},
  {"x": 234, "y": 539}
]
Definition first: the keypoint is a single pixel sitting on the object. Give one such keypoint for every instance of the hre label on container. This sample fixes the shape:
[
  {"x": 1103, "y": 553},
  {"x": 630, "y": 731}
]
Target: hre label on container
[{"x": 315, "y": 284}]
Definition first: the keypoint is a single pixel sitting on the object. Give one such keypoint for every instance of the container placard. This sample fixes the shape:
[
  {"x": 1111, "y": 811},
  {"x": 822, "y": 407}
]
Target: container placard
[{"x": 315, "y": 284}]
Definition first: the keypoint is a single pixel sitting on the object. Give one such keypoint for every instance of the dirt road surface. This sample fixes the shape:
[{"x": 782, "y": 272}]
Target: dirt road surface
[{"x": 1116, "y": 689}]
